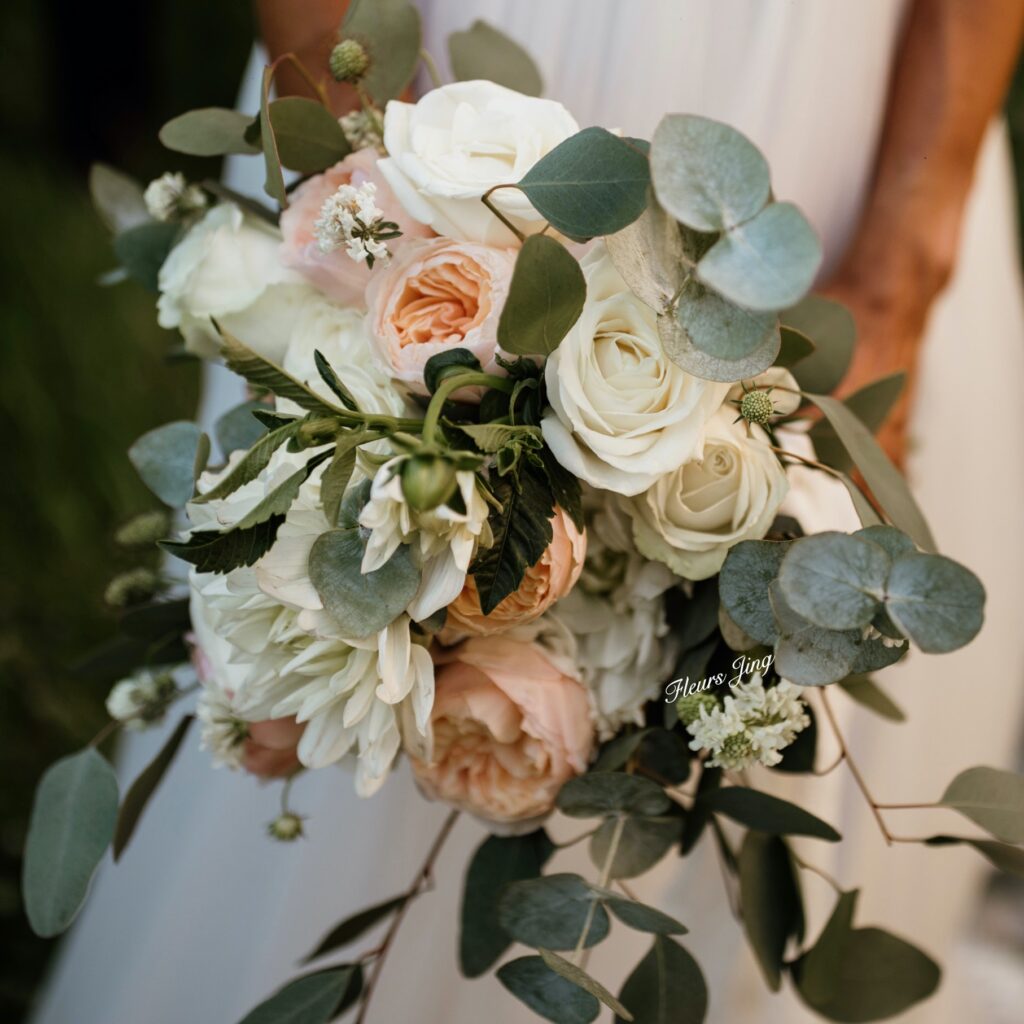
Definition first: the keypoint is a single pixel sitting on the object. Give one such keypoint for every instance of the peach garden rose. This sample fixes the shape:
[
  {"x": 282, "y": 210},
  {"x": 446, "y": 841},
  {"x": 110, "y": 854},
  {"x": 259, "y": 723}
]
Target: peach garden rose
[
  {"x": 509, "y": 729},
  {"x": 436, "y": 295},
  {"x": 554, "y": 575}
]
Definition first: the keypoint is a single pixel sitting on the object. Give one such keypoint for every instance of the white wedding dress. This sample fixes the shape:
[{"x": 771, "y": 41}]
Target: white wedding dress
[{"x": 204, "y": 916}]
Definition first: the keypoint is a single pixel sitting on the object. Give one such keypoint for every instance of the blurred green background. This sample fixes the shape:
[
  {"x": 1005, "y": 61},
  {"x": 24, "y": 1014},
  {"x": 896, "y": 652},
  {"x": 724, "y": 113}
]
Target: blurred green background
[{"x": 82, "y": 368}]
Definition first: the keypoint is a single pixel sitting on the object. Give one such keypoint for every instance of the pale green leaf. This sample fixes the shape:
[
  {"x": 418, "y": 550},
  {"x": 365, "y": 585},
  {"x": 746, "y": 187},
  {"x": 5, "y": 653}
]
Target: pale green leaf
[
  {"x": 165, "y": 458},
  {"x": 991, "y": 798},
  {"x": 666, "y": 987},
  {"x": 830, "y": 326},
  {"x": 209, "y": 131},
  {"x": 390, "y": 31},
  {"x": 117, "y": 198},
  {"x": 482, "y": 51}
]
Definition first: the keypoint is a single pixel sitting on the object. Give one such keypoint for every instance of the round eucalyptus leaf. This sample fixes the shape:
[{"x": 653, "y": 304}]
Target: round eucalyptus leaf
[
  {"x": 600, "y": 793},
  {"x": 551, "y": 911},
  {"x": 743, "y": 583},
  {"x": 666, "y": 987},
  {"x": 806, "y": 654},
  {"x": 894, "y": 542},
  {"x": 834, "y": 580},
  {"x": 766, "y": 264},
  {"x": 706, "y": 174},
  {"x": 935, "y": 601},
  {"x": 484, "y": 52},
  {"x": 642, "y": 843},
  {"x": 548, "y": 994},
  {"x": 209, "y": 131},
  {"x": 72, "y": 824},
  {"x": 309, "y": 138},
  {"x": 990, "y": 798},
  {"x": 360, "y": 603},
  {"x": 165, "y": 459}
]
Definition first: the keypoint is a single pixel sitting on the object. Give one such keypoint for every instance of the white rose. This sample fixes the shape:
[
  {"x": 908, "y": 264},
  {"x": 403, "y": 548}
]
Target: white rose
[
  {"x": 227, "y": 267},
  {"x": 622, "y": 413},
  {"x": 691, "y": 518},
  {"x": 342, "y": 337},
  {"x": 447, "y": 150}
]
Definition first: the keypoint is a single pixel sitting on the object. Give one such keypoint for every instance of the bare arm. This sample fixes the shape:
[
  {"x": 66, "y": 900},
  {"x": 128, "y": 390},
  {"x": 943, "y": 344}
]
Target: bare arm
[{"x": 951, "y": 75}]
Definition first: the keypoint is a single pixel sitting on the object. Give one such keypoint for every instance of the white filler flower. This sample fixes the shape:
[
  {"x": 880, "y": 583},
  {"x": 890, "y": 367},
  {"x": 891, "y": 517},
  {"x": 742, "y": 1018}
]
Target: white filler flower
[
  {"x": 351, "y": 218},
  {"x": 752, "y": 726},
  {"x": 170, "y": 196}
]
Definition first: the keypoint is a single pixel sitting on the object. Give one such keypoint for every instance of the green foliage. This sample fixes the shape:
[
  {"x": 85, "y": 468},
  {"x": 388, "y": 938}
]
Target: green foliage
[
  {"x": 209, "y": 131},
  {"x": 639, "y": 916},
  {"x": 866, "y": 691},
  {"x": 360, "y": 603},
  {"x": 331, "y": 379},
  {"x": 870, "y": 404},
  {"x": 273, "y": 183},
  {"x": 593, "y": 183},
  {"x": 481, "y": 51},
  {"x": 581, "y": 979},
  {"x": 990, "y": 798},
  {"x": 642, "y": 842},
  {"x": 743, "y": 583},
  {"x": 766, "y": 813},
  {"x": 355, "y": 926},
  {"x": 311, "y": 999},
  {"x": 545, "y": 298},
  {"x": 255, "y": 460},
  {"x": 308, "y": 136},
  {"x": 1001, "y": 855},
  {"x": 547, "y": 993},
  {"x": 165, "y": 458},
  {"x": 771, "y": 901},
  {"x": 497, "y": 862},
  {"x": 213, "y": 551},
  {"x": 445, "y": 364},
  {"x": 142, "y": 249},
  {"x": 238, "y": 429},
  {"x": 143, "y": 788},
  {"x": 551, "y": 912},
  {"x": 280, "y": 498},
  {"x": 390, "y": 32},
  {"x": 795, "y": 347},
  {"x": 829, "y": 325},
  {"x": 666, "y": 987},
  {"x": 599, "y": 793},
  {"x": 72, "y": 824}
]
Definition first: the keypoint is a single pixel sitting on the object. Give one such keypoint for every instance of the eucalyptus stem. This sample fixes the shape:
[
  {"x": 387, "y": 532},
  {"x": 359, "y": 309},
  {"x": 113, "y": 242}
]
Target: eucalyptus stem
[
  {"x": 820, "y": 872},
  {"x": 369, "y": 110},
  {"x": 431, "y": 66},
  {"x": 486, "y": 200},
  {"x": 580, "y": 954},
  {"x": 449, "y": 386}
]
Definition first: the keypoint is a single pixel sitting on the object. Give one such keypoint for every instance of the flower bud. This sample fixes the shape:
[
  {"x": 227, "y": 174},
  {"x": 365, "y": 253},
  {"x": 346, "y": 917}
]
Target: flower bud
[
  {"x": 349, "y": 61},
  {"x": 688, "y": 708},
  {"x": 141, "y": 699},
  {"x": 147, "y": 528},
  {"x": 757, "y": 407},
  {"x": 286, "y": 827},
  {"x": 427, "y": 481}
]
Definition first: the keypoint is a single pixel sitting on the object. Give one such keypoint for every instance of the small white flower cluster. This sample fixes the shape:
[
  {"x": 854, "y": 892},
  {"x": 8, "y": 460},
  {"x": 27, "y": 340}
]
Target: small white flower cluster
[
  {"x": 141, "y": 699},
  {"x": 871, "y": 632},
  {"x": 351, "y": 218},
  {"x": 171, "y": 197},
  {"x": 362, "y": 130},
  {"x": 751, "y": 726}
]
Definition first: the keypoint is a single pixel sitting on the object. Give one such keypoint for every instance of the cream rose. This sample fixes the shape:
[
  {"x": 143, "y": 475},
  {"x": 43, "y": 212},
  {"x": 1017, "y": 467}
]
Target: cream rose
[
  {"x": 622, "y": 413},
  {"x": 435, "y": 296},
  {"x": 227, "y": 267},
  {"x": 457, "y": 142},
  {"x": 509, "y": 729},
  {"x": 690, "y": 518},
  {"x": 335, "y": 273},
  {"x": 554, "y": 575}
]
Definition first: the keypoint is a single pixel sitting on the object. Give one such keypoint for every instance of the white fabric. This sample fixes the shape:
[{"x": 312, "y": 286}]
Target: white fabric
[{"x": 204, "y": 917}]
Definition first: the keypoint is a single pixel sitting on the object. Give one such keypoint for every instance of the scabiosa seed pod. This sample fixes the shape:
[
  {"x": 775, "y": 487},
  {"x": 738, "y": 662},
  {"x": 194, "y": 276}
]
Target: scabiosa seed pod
[
  {"x": 757, "y": 407},
  {"x": 286, "y": 827},
  {"x": 349, "y": 61},
  {"x": 143, "y": 529},
  {"x": 132, "y": 587}
]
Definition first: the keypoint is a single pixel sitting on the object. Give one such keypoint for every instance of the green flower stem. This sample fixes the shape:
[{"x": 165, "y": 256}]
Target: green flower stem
[{"x": 449, "y": 386}]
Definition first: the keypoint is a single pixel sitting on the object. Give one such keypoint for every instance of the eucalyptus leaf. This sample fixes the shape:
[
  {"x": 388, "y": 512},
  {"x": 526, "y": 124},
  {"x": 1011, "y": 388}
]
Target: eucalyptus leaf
[
  {"x": 390, "y": 31},
  {"x": 497, "y": 862},
  {"x": 164, "y": 458},
  {"x": 767, "y": 263},
  {"x": 482, "y": 51},
  {"x": 336, "y": 478},
  {"x": 118, "y": 198},
  {"x": 1001, "y": 855},
  {"x": 545, "y": 298},
  {"x": 817, "y": 972},
  {"x": 767, "y": 813},
  {"x": 273, "y": 182},
  {"x": 935, "y": 601},
  {"x": 551, "y": 912},
  {"x": 666, "y": 987},
  {"x": 743, "y": 583},
  {"x": 547, "y": 993},
  {"x": 641, "y": 917},
  {"x": 830, "y": 326},
  {"x": 309, "y": 137},
  {"x": 209, "y": 131},
  {"x": 143, "y": 788},
  {"x": 643, "y": 841},
  {"x": 866, "y": 691},
  {"x": 706, "y": 174},
  {"x": 599, "y": 793},
  {"x": 593, "y": 183},
  {"x": 806, "y": 654},
  {"x": 870, "y": 404},
  {"x": 580, "y": 978},
  {"x": 238, "y": 429},
  {"x": 795, "y": 347},
  {"x": 834, "y": 580},
  {"x": 361, "y": 604},
  {"x": 311, "y": 999},
  {"x": 356, "y": 926},
  {"x": 143, "y": 249},
  {"x": 72, "y": 823},
  {"x": 770, "y": 901},
  {"x": 991, "y": 798},
  {"x": 884, "y": 479}
]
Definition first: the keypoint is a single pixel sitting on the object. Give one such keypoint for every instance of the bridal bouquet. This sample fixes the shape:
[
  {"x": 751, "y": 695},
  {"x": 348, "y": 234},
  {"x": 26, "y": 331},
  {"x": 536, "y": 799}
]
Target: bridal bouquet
[{"x": 509, "y": 502}]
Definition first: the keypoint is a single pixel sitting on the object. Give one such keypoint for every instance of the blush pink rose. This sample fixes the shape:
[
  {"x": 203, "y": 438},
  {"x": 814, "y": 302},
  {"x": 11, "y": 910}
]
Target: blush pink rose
[
  {"x": 336, "y": 274},
  {"x": 554, "y": 575},
  {"x": 509, "y": 729},
  {"x": 435, "y": 296},
  {"x": 270, "y": 749}
]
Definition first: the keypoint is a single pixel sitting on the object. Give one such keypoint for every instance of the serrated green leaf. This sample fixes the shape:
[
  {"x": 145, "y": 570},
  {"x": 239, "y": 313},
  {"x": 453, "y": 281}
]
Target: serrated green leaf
[
  {"x": 666, "y": 987},
  {"x": 483, "y": 52},
  {"x": 252, "y": 463},
  {"x": 279, "y": 500},
  {"x": 545, "y": 298},
  {"x": 593, "y": 183},
  {"x": 165, "y": 458},
  {"x": 214, "y": 551},
  {"x": 767, "y": 813},
  {"x": 991, "y": 798},
  {"x": 72, "y": 823},
  {"x": 331, "y": 379},
  {"x": 143, "y": 788},
  {"x": 497, "y": 862}
]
